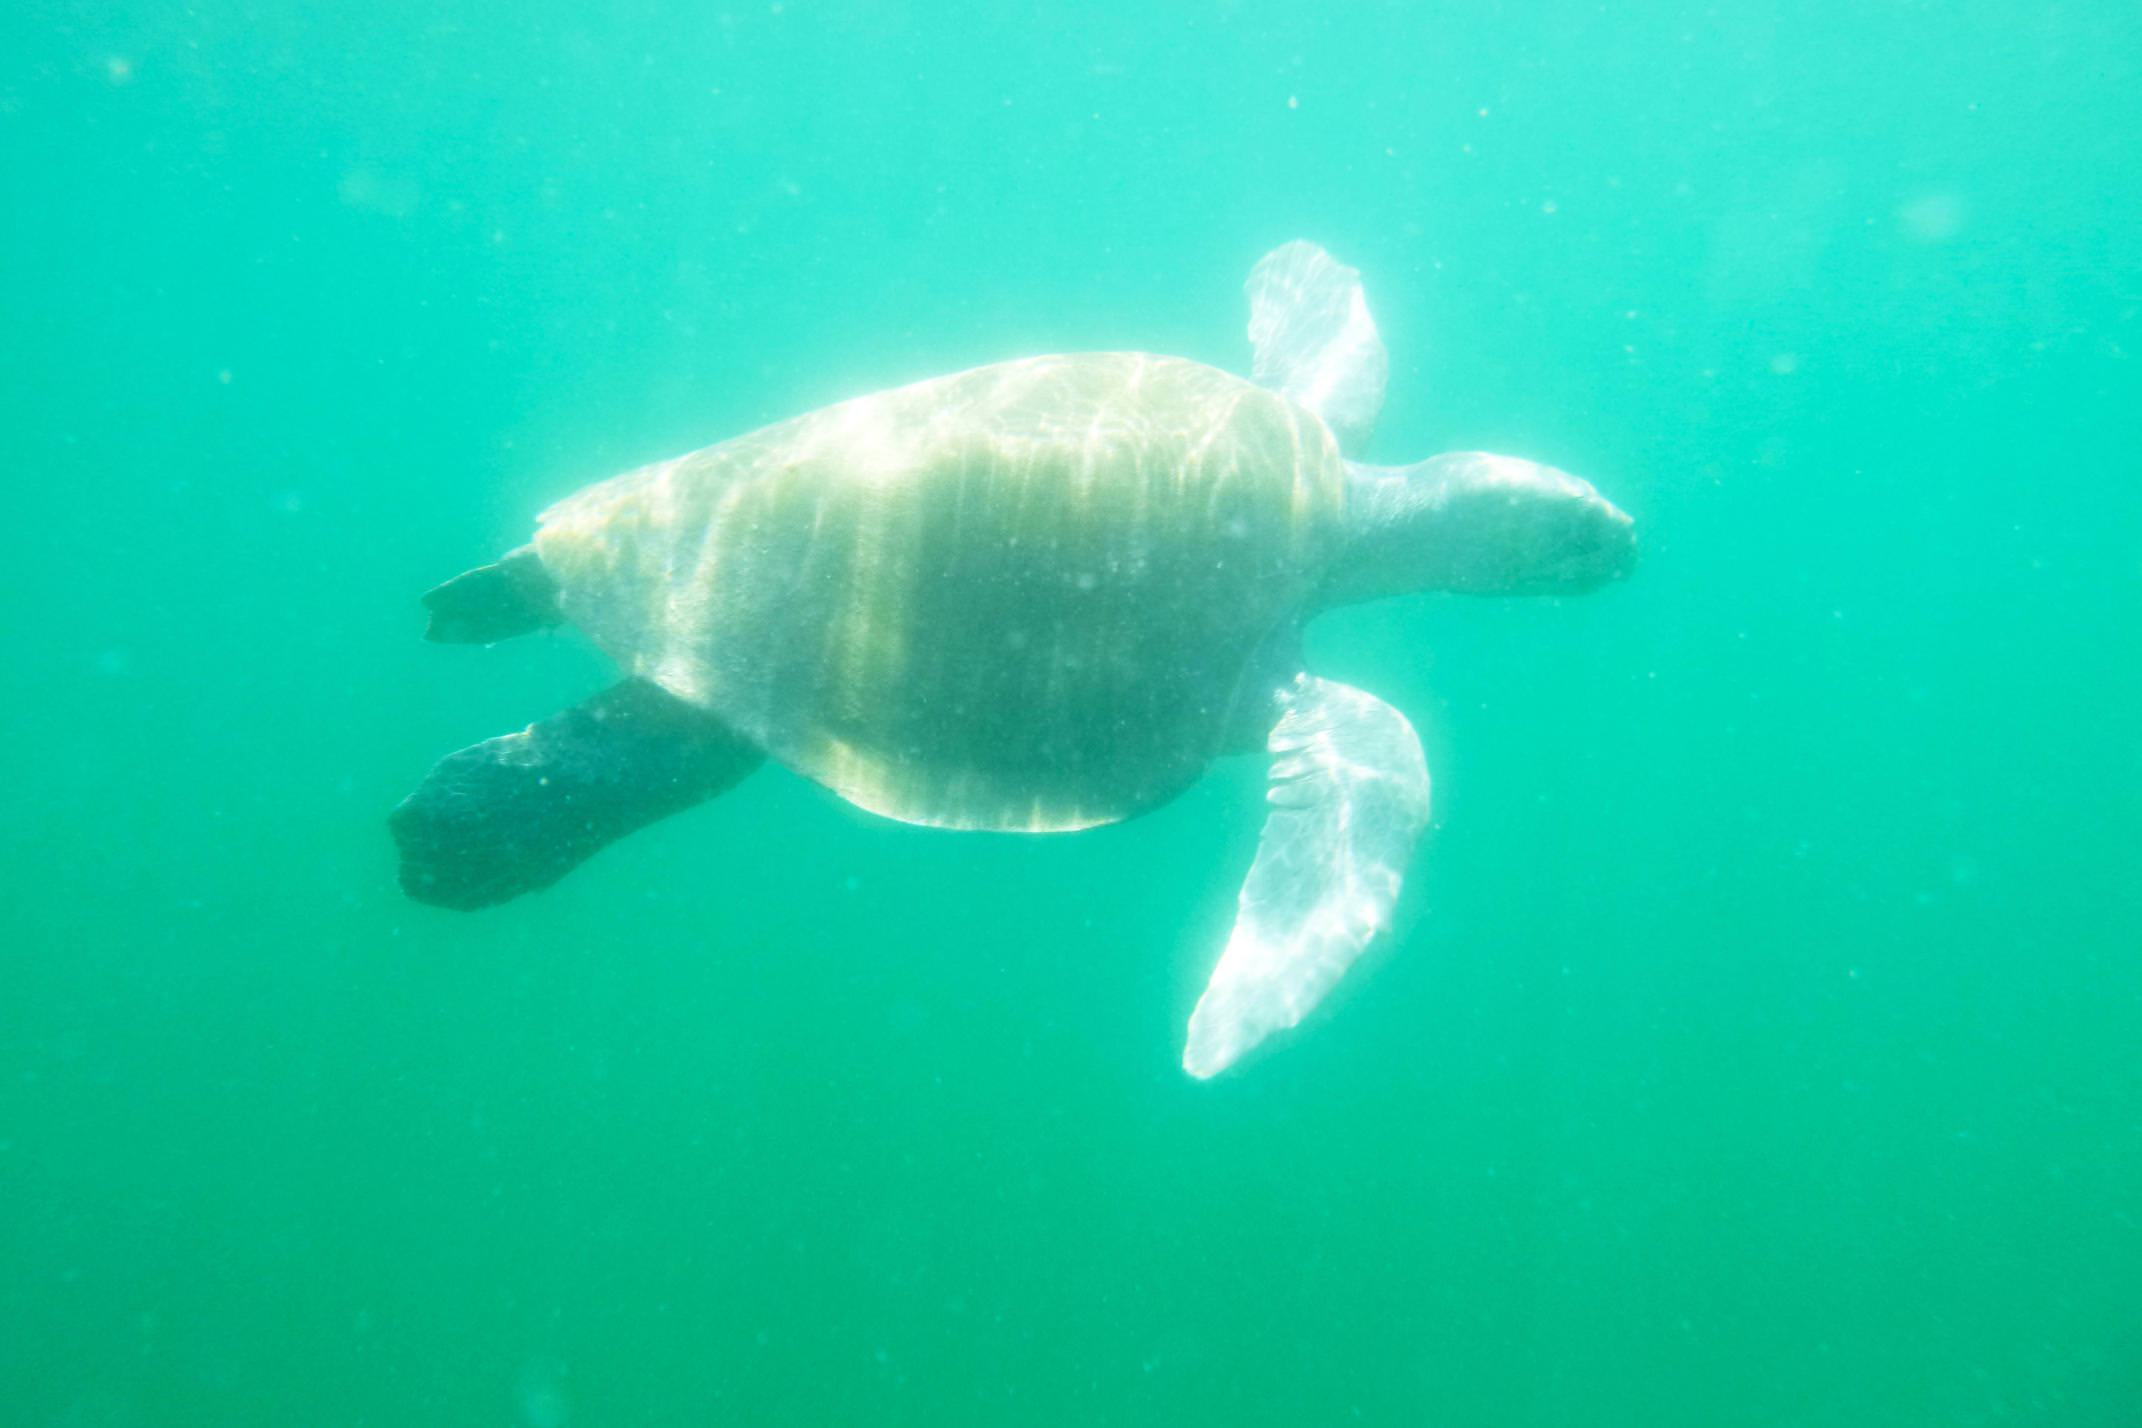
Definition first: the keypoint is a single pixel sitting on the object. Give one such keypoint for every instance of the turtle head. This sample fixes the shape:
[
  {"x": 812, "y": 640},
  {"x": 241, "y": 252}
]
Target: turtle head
[{"x": 1477, "y": 524}]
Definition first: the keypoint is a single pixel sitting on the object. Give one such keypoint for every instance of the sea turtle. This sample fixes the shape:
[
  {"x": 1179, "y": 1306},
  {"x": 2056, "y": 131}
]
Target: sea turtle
[{"x": 1032, "y": 597}]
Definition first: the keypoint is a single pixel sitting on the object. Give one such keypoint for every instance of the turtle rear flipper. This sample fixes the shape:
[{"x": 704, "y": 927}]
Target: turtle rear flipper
[
  {"x": 513, "y": 595},
  {"x": 518, "y": 812}
]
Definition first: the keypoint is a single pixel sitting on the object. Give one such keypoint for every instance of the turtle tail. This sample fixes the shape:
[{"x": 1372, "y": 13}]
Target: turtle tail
[{"x": 511, "y": 596}]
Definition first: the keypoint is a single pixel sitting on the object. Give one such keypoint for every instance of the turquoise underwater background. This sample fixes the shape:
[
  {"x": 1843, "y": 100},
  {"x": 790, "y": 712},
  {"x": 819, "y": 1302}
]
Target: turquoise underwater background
[{"x": 1759, "y": 1045}]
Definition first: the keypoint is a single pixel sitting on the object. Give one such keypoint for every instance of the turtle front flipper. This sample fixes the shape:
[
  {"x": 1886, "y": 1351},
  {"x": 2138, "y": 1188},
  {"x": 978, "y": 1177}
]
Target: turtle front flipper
[
  {"x": 518, "y": 812},
  {"x": 1348, "y": 796},
  {"x": 1314, "y": 340}
]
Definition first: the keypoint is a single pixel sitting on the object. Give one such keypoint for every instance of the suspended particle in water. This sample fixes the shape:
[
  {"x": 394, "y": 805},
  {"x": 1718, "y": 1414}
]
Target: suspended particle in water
[
  {"x": 539, "y": 1394},
  {"x": 1931, "y": 218}
]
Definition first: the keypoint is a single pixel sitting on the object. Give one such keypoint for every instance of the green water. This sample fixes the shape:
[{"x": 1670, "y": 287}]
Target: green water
[{"x": 1759, "y": 1043}]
